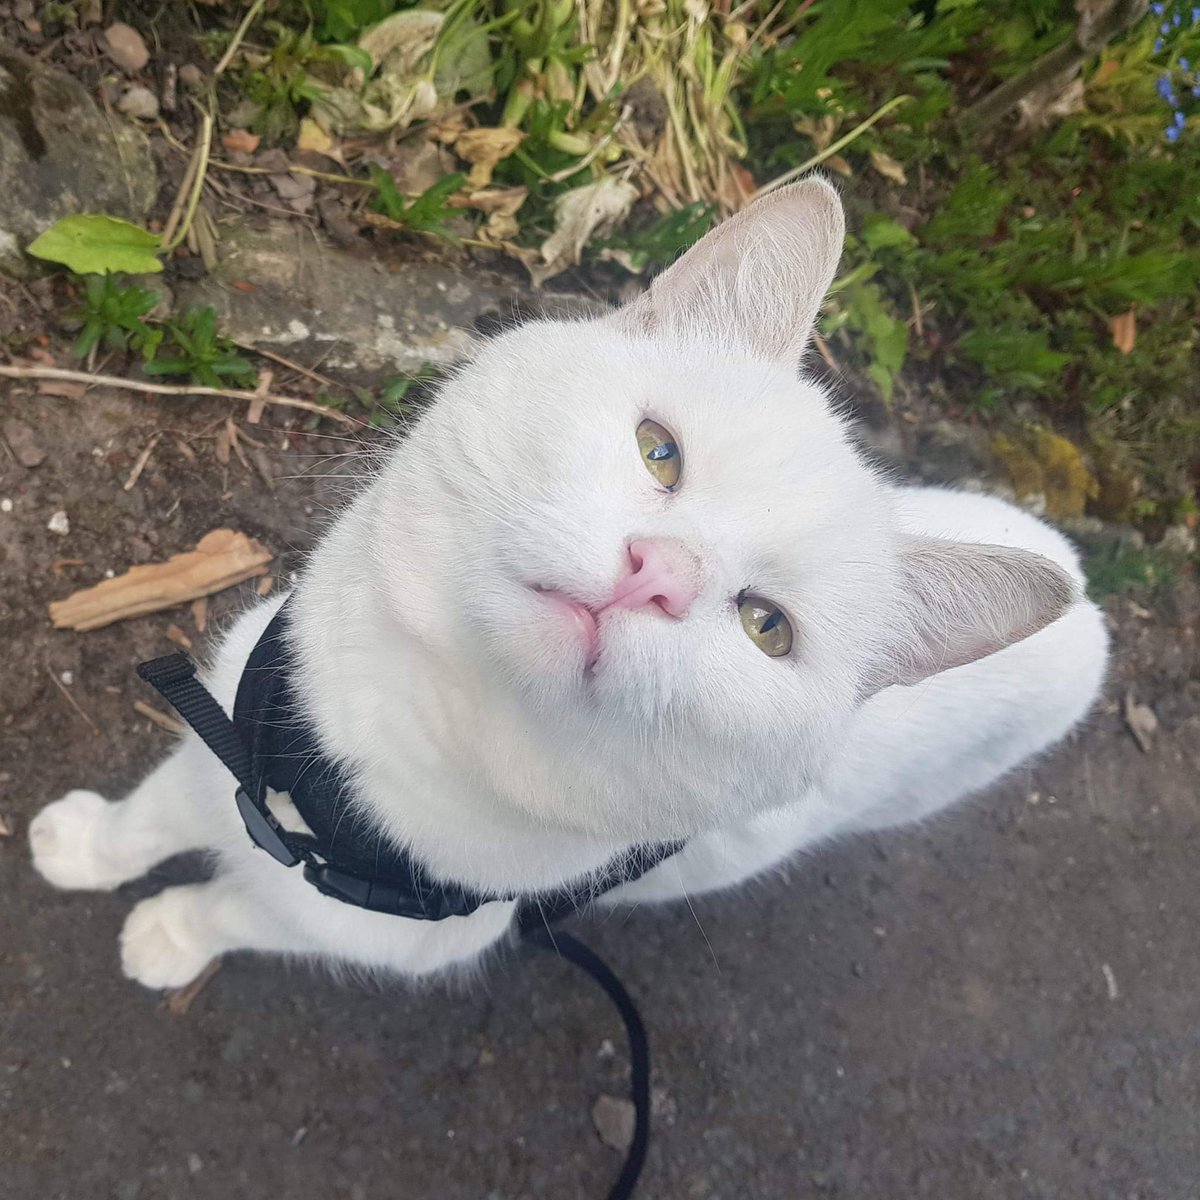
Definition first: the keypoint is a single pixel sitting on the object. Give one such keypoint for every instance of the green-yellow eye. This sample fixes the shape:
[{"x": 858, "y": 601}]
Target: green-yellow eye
[
  {"x": 660, "y": 454},
  {"x": 765, "y": 625}
]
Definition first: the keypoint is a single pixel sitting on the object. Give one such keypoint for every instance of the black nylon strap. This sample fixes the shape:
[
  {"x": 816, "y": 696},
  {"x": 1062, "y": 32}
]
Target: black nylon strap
[
  {"x": 574, "y": 951},
  {"x": 174, "y": 678}
]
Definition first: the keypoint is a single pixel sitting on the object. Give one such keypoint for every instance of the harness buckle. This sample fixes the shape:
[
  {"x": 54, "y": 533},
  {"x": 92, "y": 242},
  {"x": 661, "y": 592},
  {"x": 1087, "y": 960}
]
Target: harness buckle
[{"x": 264, "y": 829}]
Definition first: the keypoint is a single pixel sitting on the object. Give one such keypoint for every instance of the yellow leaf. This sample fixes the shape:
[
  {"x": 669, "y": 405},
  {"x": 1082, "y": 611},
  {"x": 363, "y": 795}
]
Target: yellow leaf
[
  {"x": 313, "y": 137},
  {"x": 483, "y": 149},
  {"x": 888, "y": 167}
]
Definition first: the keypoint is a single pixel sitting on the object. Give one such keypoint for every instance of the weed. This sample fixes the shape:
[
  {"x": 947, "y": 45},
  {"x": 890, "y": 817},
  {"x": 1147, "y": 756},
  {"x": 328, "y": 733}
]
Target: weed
[
  {"x": 112, "y": 314},
  {"x": 427, "y": 213},
  {"x": 196, "y": 349}
]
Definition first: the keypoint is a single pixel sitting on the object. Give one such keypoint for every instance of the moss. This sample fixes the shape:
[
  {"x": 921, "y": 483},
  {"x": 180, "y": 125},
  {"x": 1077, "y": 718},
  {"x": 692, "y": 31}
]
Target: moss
[{"x": 1041, "y": 462}]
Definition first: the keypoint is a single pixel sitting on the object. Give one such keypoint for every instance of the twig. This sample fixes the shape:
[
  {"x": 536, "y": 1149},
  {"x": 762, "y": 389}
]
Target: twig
[
  {"x": 54, "y": 679},
  {"x": 290, "y": 363},
  {"x": 161, "y": 719},
  {"x": 167, "y": 389},
  {"x": 200, "y": 158},
  {"x": 179, "y": 1000},
  {"x": 236, "y": 40},
  {"x": 833, "y": 148},
  {"x": 140, "y": 465}
]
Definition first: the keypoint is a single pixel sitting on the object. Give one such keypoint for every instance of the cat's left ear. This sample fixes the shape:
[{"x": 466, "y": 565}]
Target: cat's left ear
[
  {"x": 758, "y": 279},
  {"x": 963, "y": 601}
]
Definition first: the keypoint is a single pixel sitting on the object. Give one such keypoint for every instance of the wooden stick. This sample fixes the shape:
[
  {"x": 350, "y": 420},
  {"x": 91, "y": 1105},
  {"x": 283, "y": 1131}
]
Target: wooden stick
[
  {"x": 167, "y": 389},
  {"x": 70, "y": 699},
  {"x": 161, "y": 719}
]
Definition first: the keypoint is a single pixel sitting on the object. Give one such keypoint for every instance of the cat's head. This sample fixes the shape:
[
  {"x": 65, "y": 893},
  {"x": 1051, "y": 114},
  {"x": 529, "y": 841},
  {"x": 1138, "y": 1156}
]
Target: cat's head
[{"x": 650, "y": 547}]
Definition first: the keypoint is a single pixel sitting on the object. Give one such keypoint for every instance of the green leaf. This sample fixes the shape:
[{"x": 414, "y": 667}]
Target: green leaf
[{"x": 95, "y": 244}]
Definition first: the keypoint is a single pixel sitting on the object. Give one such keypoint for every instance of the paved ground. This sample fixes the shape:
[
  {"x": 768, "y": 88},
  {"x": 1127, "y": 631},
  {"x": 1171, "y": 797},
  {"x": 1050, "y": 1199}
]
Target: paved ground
[{"x": 1002, "y": 1004}]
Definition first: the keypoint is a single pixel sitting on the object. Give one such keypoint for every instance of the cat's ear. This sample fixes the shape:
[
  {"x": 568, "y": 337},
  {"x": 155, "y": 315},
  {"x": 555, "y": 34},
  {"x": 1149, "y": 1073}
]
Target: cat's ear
[
  {"x": 963, "y": 601},
  {"x": 758, "y": 279}
]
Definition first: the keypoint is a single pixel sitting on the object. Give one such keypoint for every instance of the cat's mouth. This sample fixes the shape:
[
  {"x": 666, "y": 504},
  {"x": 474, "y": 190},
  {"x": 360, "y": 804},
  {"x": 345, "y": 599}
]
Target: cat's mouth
[{"x": 583, "y": 622}]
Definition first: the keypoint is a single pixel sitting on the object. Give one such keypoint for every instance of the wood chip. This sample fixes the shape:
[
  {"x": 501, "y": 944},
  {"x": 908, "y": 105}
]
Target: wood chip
[
  {"x": 1142, "y": 722},
  {"x": 181, "y": 639},
  {"x": 186, "y": 450},
  {"x": 265, "y": 584},
  {"x": 64, "y": 388},
  {"x": 221, "y": 559},
  {"x": 179, "y": 1000},
  {"x": 5, "y": 828},
  {"x": 200, "y": 614},
  {"x": 161, "y": 719},
  {"x": 1123, "y": 328}
]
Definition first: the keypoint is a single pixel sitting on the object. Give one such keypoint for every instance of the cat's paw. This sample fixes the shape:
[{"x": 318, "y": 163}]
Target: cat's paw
[
  {"x": 160, "y": 943},
  {"x": 63, "y": 839}
]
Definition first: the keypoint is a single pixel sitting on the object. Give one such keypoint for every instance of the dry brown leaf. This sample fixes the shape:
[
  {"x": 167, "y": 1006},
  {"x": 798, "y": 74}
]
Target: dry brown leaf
[
  {"x": 505, "y": 201},
  {"x": 835, "y": 162},
  {"x": 483, "y": 149},
  {"x": 888, "y": 167},
  {"x": 1123, "y": 328},
  {"x": 240, "y": 140},
  {"x": 221, "y": 559},
  {"x": 1142, "y": 722}
]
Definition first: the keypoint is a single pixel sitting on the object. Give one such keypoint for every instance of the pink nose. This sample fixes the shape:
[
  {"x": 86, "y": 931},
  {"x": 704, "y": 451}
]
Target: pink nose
[{"x": 662, "y": 572}]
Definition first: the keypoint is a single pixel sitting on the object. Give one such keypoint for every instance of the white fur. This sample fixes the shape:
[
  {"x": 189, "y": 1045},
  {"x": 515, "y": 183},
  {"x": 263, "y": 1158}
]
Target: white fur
[{"x": 460, "y": 702}]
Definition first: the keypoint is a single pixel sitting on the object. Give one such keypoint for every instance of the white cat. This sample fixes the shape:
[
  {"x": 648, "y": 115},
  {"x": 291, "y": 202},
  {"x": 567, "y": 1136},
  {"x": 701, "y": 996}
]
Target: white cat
[{"x": 626, "y": 580}]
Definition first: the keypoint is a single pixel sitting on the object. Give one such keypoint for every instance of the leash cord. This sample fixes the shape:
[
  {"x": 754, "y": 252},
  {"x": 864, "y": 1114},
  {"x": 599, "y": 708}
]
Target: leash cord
[{"x": 574, "y": 951}]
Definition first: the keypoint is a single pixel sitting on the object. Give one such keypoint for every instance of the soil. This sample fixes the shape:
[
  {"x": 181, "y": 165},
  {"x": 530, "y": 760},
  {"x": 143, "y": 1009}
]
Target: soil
[{"x": 1001, "y": 1003}]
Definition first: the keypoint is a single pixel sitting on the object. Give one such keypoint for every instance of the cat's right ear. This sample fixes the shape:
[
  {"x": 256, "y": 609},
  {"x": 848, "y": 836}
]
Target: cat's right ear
[{"x": 756, "y": 280}]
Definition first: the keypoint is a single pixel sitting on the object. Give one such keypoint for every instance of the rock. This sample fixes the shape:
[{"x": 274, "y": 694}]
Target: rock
[
  {"x": 614, "y": 1118},
  {"x": 126, "y": 47},
  {"x": 1178, "y": 539},
  {"x": 139, "y": 102},
  {"x": 191, "y": 77},
  {"x": 293, "y": 187},
  {"x": 23, "y": 443},
  {"x": 59, "y": 155},
  {"x": 59, "y": 523},
  {"x": 948, "y": 450},
  {"x": 314, "y": 301}
]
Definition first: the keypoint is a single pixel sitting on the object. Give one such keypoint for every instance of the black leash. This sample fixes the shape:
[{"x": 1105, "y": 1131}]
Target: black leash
[
  {"x": 574, "y": 951},
  {"x": 397, "y": 886}
]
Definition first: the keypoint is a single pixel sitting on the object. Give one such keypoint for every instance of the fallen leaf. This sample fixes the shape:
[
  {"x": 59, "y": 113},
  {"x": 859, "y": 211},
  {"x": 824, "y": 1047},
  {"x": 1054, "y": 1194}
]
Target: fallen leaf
[
  {"x": 313, "y": 137},
  {"x": 578, "y": 215},
  {"x": 1123, "y": 328},
  {"x": 126, "y": 47},
  {"x": 244, "y": 285},
  {"x": 241, "y": 141},
  {"x": 497, "y": 200},
  {"x": 614, "y": 1119},
  {"x": 221, "y": 559},
  {"x": 888, "y": 167},
  {"x": 483, "y": 149},
  {"x": 1142, "y": 722}
]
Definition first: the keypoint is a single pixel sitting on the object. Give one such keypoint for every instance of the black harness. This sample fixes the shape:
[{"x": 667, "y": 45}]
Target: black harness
[{"x": 269, "y": 745}]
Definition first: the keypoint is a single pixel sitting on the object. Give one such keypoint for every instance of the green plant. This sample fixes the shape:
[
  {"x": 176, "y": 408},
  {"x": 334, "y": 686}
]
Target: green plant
[
  {"x": 427, "y": 213},
  {"x": 196, "y": 349},
  {"x": 112, "y": 314},
  {"x": 1112, "y": 570},
  {"x": 661, "y": 241}
]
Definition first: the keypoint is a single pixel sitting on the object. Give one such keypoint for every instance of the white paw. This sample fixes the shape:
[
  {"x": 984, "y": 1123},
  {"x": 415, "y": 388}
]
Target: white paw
[
  {"x": 64, "y": 840},
  {"x": 160, "y": 947}
]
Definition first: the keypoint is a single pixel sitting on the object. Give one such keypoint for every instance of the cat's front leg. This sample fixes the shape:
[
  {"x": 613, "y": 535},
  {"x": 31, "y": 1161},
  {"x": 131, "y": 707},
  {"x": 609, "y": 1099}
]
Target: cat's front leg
[{"x": 85, "y": 842}]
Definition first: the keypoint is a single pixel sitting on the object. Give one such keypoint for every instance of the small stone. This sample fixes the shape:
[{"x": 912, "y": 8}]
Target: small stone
[
  {"x": 68, "y": 677},
  {"x": 191, "y": 76},
  {"x": 1178, "y": 539},
  {"x": 126, "y": 47},
  {"x": 139, "y": 102},
  {"x": 6, "y": 505},
  {"x": 293, "y": 187},
  {"x": 23, "y": 442},
  {"x": 614, "y": 1120},
  {"x": 23, "y": 10},
  {"x": 194, "y": 1164},
  {"x": 59, "y": 523}
]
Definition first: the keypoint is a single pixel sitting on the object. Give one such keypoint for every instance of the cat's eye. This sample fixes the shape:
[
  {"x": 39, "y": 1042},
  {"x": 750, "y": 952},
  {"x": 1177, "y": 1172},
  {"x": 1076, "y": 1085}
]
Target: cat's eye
[
  {"x": 765, "y": 625},
  {"x": 660, "y": 453}
]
